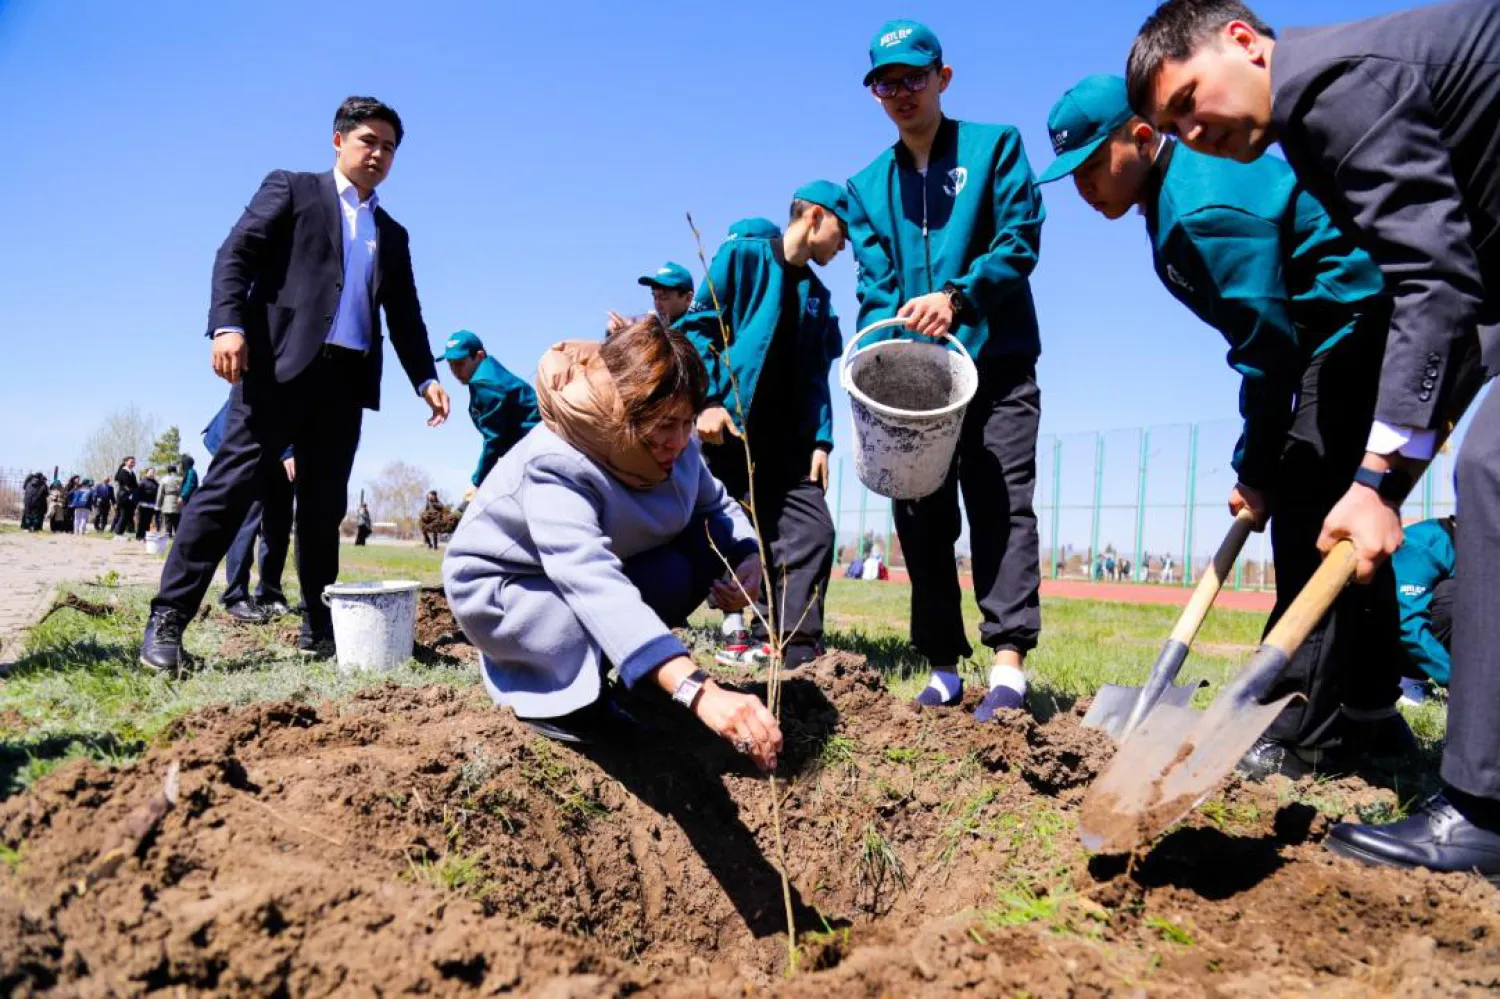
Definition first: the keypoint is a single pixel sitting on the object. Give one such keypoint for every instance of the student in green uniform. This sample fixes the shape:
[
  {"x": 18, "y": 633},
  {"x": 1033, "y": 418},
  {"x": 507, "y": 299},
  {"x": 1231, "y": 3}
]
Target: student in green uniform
[
  {"x": 501, "y": 405},
  {"x": 671, "y": 295},
  {"x": 1426, "y": 568},
  {"x": 946, "y": 226},
  {"x": 772, "y": 383},
  {"x": 1304, "y": 312}
]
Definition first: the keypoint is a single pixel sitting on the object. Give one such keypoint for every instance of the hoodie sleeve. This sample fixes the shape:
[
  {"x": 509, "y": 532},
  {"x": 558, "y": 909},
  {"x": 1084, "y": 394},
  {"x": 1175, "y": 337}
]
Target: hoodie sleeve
[
  {"x": 705, "y": 323},
  {"x": 578, "y": 558},
  {"x": 1012, "y": 254},
  {"x": 877, "y": 284},
  {"x": 833, "y": 349}
]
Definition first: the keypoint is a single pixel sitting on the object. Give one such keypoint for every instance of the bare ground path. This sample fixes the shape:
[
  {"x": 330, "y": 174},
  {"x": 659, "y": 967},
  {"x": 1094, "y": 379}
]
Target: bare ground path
[{"x": 32, "y": 565}]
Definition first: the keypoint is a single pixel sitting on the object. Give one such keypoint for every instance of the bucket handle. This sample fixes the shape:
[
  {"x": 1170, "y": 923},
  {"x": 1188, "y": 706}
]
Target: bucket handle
[{"x": 880, "y": 324}]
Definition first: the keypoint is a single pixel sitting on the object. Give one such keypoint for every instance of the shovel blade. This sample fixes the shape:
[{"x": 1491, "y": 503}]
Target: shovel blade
[
  {"x": 1113, "y": 704},
  {"x": 1170, "y": 763}
]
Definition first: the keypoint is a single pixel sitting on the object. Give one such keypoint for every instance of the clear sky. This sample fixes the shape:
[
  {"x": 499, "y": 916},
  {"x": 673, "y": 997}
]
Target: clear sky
[{"x": 551, "y": 153}]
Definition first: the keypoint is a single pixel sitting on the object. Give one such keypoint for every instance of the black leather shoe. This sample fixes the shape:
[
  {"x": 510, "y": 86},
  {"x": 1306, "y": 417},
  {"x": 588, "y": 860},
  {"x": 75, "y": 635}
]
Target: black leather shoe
[
  {"x": 244, "y": 610},
  {"x": 1269, "y": 757},
  {"x": 1439, "y": 835},
  {"x": 274, "y": 609},
  {"x": 161, "y": 646},
  {"x": 316, "y": 644}
]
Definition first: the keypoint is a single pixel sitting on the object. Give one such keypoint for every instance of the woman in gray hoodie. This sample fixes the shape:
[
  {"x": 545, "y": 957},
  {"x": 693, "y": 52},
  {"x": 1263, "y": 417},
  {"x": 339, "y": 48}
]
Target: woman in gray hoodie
[{"x": 590, "y": 540}]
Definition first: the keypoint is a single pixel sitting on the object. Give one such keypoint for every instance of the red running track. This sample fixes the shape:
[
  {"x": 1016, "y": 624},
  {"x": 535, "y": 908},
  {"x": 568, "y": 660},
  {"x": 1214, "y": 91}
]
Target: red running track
[{"x": 1134, "y": 593}]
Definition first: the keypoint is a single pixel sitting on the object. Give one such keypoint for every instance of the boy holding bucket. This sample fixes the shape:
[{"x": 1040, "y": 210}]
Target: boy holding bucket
[
  {"x": 771, "y": 382},
  {"x": 1251, "y": 253},
  {"x": 946, "y": 226}
]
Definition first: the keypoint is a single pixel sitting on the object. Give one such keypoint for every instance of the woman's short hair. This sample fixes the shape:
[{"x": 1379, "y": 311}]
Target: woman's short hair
[{"x": 655, "y": 369}]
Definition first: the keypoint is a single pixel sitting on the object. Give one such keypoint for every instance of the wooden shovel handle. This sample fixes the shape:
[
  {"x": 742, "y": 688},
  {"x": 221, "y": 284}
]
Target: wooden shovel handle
[
  {"x": 1314, "y": 600},
  {"x": 1213, "y": 579}
]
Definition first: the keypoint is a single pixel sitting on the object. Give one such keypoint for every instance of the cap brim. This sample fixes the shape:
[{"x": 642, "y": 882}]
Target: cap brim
[
  {"x": 1070, "y": 160},
  {"x": 870, "y": 76},
  {"x": 449, "y": 355},
  {"x": 664, "y": 286}
]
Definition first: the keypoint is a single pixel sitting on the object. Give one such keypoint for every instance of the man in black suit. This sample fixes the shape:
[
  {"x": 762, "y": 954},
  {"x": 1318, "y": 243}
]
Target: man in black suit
[
  {"x": 1394, "y": 124},
  {"x": 297, "y": 291}
]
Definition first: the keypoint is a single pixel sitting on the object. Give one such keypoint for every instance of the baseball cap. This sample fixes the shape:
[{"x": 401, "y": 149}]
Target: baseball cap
[
  {"x": 1082, "y": 119},
  {"x": 670, "y": 277},
  {"x": 460, "y": 346},
  {"x": 828, "y": 194},
  {"x": 903, "y": 43}
]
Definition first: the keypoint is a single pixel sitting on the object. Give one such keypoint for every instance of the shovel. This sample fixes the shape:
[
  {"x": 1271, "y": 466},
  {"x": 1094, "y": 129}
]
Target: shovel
[
  {"x": 1117, "y": 709},
  {"x": 1178, "y": 756}
]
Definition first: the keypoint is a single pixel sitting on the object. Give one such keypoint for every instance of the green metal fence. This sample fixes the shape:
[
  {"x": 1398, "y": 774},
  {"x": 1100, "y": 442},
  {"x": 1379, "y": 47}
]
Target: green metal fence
[{"x": 1142, "y": 504}]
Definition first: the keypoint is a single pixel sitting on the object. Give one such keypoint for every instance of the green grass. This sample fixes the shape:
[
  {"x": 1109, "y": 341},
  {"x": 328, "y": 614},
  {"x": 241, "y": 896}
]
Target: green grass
[{"x": 78, "y": 691}]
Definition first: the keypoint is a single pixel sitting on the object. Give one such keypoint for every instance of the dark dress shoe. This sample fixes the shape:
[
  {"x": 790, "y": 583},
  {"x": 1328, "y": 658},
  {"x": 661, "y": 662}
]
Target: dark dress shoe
[
  {"x": 161, "y": 647},
  {"x": 1442, "y": 835},
  {"x": 244, "y": 610},
  {"x": 1268, "y": 757},
  {"x": 316, "y": 644}
]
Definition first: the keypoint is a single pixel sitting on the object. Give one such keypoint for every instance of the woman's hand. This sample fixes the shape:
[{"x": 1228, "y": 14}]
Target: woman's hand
[
  {"x": 731, "y": 596},
  {"x": 743, "y": 720}
]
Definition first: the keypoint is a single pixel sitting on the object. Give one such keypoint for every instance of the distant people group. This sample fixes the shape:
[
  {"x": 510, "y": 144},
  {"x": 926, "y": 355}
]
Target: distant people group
[{"x": 139, "y": 505}]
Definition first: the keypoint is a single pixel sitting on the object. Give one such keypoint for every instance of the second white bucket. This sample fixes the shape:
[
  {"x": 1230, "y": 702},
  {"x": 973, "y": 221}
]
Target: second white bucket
[
  {"x": 374, "y": 624},
  {"x": 908, "y": 399},
  {"x": 158, "y": 542}
]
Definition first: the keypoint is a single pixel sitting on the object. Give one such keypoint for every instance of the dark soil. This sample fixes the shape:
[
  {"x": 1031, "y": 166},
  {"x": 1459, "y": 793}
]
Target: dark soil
[{"x": 421, "y": 841}]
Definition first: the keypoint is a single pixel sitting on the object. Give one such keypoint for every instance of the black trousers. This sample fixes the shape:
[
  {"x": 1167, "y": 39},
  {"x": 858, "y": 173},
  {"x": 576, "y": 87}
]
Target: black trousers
[
  {"x": 995, "y": 468},
  {"x": 125, "y": 517},
  {"x": 1350, "y": 657},
  {"x": 1471, "y": 759},
  {"x": 145, "y": 517},
  {"x": 270, "y": 520},
  {"x": 797, "y": 530},
  {"x": 101, "y": 516},
  {"x": 318, "y": 413}
]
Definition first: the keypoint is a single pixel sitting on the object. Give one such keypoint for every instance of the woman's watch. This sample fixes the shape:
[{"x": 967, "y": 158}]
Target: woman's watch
[{"x": 691, "y": 686}]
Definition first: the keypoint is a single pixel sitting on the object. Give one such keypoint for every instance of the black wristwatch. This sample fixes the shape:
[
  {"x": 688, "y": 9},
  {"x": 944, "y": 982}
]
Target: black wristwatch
[
  {"x": 1393, "y": 485},
  {"x": 957, "y": 299}
]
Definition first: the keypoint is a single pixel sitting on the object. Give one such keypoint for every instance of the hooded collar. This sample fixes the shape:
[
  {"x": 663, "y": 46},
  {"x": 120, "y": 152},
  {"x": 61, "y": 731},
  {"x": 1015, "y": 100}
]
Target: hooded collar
[{"x": 579, "y": 402}]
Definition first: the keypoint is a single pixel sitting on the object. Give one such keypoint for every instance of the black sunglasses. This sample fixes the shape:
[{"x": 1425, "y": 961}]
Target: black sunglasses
[{"x": 913, "y": 83}]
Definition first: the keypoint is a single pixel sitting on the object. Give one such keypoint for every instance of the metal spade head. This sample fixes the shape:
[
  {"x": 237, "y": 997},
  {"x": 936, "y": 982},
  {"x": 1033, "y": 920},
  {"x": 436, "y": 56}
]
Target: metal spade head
[{"x": 1113, "y": 704}]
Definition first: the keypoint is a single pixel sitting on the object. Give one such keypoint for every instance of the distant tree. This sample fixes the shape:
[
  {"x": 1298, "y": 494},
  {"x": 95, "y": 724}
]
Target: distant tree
[
  {"x": 123, "y": 432},
  {"x": 398, "y": 494},
  {"x": 167, "y": 451}
]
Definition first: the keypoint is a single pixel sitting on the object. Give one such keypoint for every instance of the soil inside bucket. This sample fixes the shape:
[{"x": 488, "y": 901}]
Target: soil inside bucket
[
  {"x": 902, "y": 378},
  {"x": 422, "y": 841}
]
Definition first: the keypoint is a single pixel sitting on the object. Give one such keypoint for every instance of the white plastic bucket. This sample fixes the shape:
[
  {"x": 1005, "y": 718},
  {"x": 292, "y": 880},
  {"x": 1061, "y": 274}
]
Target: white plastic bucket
[
  {"x": 908, "y": 399},
  {"x": 374, "y": 624},
  {"x": 157, "y": 542}
]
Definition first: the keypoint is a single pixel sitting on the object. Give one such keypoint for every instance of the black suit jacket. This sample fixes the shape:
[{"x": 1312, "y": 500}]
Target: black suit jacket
[
  {"x": 125, "y": 484},
  {"x": 1394, "y": 124},
  {"x": 279, "y": 274}
]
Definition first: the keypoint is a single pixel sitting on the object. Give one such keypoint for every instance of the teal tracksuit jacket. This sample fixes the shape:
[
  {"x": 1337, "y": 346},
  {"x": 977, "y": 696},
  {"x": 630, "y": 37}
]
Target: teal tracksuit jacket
[
  {"x": 1426, "y": 558},
  {"x": 973, "y": 222},
  {"x": 764, "y": 300},
  {"x": 1255, "y": 256},
  {"x": 503, "y": 408}
]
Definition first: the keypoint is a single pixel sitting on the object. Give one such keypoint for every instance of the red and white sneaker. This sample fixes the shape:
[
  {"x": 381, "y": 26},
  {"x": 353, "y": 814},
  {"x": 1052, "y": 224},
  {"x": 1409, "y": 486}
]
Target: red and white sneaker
[{"x": 739, "y": 650}]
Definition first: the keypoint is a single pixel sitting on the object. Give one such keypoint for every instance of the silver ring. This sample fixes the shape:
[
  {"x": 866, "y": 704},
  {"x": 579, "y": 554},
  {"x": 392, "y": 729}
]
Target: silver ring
[{"x": 742, "y": 745}]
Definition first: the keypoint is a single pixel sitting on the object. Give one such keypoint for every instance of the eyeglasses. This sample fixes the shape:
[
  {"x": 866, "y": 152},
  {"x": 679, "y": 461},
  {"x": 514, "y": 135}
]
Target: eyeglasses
[{"x": 913, "y": 83}]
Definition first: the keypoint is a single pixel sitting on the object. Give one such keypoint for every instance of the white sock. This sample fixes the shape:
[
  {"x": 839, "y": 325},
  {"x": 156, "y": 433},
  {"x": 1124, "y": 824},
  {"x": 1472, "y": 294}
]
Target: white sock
[
  {"x": 733, "y": 622},
  {"x": 1006, "y": 675},
  {"x": 946, "y": 683}
]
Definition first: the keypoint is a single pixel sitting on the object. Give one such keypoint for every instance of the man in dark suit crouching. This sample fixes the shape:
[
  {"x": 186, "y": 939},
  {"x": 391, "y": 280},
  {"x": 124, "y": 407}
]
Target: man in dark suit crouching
[{"x": 295, "y": 327}]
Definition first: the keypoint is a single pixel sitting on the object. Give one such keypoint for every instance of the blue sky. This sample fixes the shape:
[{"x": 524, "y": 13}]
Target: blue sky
[{"x": 551, "y": 153}]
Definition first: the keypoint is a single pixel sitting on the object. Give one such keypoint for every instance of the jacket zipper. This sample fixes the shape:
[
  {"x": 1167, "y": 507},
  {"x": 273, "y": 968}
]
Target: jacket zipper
[{"x": 926, "y": 243}]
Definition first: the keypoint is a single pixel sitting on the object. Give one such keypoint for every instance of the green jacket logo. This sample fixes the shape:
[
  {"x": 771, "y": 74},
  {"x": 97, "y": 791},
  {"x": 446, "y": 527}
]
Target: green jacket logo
[
  {"x": 957, "y": 178},
  {"x": 1175, "y": 276}
]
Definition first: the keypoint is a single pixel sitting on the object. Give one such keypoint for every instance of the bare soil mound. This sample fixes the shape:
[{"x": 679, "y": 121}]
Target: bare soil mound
[{"x": 421, "y": 841}]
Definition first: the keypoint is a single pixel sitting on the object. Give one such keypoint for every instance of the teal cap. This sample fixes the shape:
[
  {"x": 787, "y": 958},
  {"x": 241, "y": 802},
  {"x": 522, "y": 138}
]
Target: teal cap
[
  {"x": 670, "y": 277},
  {"x": 756, "y": 228},
  {"x": 902, "y": 43},
  {"x": 828, "y": 194},
  {"x": 460, "y": 346},
  {"x": 1082, "y": 119}
]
